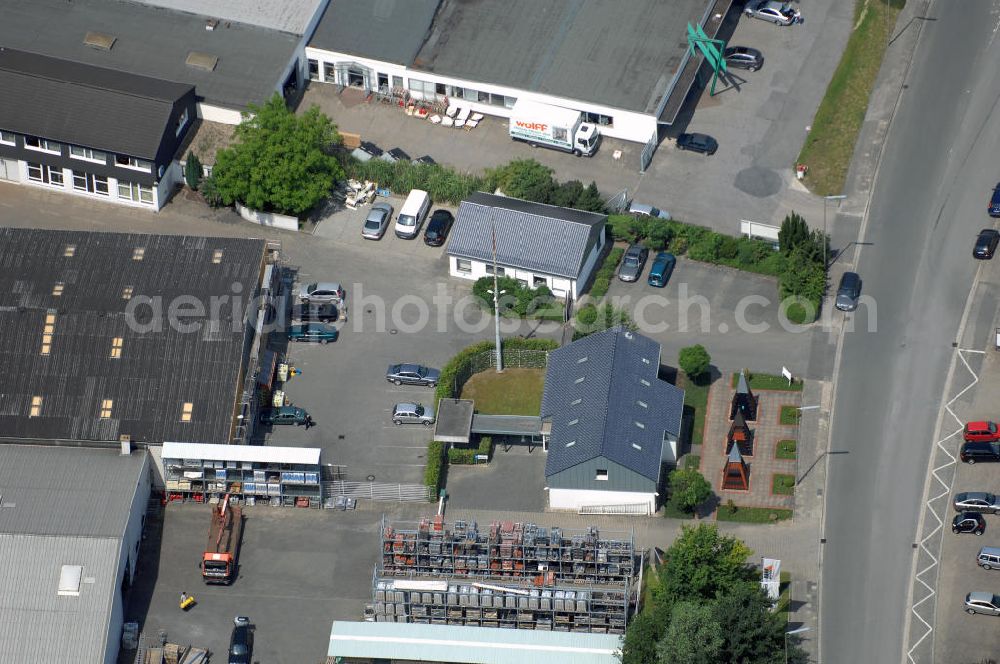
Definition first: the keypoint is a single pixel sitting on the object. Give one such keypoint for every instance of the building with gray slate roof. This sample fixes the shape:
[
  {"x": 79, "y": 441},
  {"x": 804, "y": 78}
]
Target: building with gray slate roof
[
  {"x": 70, "y": 527},
  {"x": 614, "y": 423},
  {"x": 539, "y": 245},
  {"x": 91, "y": 131},
  {"x": 625, "y": 65},
  {"x": 92, "y": 351}
]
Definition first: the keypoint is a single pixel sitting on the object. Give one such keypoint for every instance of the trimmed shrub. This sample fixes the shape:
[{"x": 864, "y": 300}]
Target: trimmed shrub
[
  {"x": 467, "y": 456},
  {"x": 434, "y": 469},
  {"x": 694, "y": 361}
]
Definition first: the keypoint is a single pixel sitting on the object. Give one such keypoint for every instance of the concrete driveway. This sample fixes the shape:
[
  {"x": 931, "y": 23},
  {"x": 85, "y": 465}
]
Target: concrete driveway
[{"x": 759, "y": 118}]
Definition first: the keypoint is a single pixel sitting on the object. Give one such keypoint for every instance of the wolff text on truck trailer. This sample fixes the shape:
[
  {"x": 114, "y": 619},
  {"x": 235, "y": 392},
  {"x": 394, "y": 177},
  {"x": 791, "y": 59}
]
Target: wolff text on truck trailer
[{"x": 553, "y": 127}]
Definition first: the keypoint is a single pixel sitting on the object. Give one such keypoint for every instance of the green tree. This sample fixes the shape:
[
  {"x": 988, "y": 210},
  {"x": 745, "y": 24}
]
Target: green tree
[
  {"x": 752, "y": 632},
  {"x": 693, "y": 637},
  {"x": 689, "y": 488},
  {"x": 793, "y": 232},
  {"x": 211, "y": 192},
  {"x": 591, "y": 319},
  {"x": 658, "y": 236},
  {"x": 525, "y": 179},
  {"x": 192, "y": 171},
  {"x": 694, "y": 361},
  {"x": 591, "y": 200},
  {"x": 702, "y": 563},
  {"x": 282, "y": 162},
  {"x": 515, "y": 298},
  {"x": 643, "y": 634},
  {"x": 567, "y": 194}
]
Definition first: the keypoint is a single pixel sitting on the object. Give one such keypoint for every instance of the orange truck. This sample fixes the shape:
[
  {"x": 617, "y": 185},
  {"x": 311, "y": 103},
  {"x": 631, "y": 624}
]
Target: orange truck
[{"x": 218, "y": 565}]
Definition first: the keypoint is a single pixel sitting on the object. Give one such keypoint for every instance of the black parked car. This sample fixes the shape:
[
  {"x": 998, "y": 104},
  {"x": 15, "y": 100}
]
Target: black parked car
[
  {"x": 968, "y": 522},
  {"x": 979, "y": 451},
  {"x": 994, "y": 207},
  {"x": 986, "y": 243},
  {"x": 437, "y": 228},
  {"x": 702, "y": 143},
  {"x": 241, "y": 642},
  {"x": 315, "y": 313},
  {"x": 743, "y": 57}
]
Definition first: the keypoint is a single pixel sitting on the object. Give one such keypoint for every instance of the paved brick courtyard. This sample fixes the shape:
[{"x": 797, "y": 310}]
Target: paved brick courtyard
[{"x": 763, "y": 464}]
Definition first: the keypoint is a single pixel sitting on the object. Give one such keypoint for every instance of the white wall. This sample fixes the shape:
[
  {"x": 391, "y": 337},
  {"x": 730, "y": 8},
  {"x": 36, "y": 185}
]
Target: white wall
[
  {"x": 628, "y": 125},
  {"x": 558, "y": 285},
  {"x": 270, "y": 219},
  {"x": 574, "y": 499},
  {"x": 219, "y": 114},
  {"x": 588, "y": 265},
  {"x": 67, "y": 188}
]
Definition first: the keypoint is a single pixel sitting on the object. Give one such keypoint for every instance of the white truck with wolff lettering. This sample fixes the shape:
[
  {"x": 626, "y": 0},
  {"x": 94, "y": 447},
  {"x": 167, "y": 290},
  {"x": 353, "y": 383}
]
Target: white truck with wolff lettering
[{"x": 553, "y": 127}]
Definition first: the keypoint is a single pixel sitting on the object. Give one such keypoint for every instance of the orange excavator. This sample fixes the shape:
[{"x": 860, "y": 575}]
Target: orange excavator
[{"x": 218, "y": 565}]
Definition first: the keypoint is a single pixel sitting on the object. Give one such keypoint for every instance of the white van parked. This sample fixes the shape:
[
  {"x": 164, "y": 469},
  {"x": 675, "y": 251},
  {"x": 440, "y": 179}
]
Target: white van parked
[{"x": 412, "y": 214}]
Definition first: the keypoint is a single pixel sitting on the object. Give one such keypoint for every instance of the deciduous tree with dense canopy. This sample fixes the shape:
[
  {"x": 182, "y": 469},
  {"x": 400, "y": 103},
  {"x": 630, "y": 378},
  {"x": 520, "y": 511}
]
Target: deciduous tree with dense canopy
[{"x": 282, "y": 162}]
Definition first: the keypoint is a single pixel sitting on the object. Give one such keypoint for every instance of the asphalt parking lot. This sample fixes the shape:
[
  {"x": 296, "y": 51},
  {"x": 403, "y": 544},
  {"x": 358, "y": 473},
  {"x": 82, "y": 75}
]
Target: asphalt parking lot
[
  {"x": 299, "y": 570},
  {"x": 733, "y": 314},
  {"x": 401, "y": 307}
]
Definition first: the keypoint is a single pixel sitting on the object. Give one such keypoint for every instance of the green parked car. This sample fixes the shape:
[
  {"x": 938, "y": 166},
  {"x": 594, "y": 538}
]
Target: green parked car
[
  {"x": 312, "y": 332},
  {"x": 286, "y": 415}
]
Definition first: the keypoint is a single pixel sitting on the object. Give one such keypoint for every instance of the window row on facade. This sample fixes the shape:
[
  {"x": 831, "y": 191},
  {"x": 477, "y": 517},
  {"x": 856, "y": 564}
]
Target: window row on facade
[
  {"x": 89, "y": 183},
  {"x": 77, "y": 152}
]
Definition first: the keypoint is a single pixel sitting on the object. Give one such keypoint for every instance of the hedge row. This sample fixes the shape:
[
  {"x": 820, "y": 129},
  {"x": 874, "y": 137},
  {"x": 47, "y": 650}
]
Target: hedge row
[
  {"x": 467, "y": 456},
  {"x": 602, "y": 280},
  {"x": 434, "y": 470},
  {"x": 447, "y": 387}
]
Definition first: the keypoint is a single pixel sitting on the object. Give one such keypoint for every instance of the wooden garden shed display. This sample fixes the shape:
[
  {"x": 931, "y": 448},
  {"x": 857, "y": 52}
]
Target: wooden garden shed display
[
  {"x": 744, "y": 401},
  {"x": 740, "y": 435},
  {"x": 736, "y": 476}
]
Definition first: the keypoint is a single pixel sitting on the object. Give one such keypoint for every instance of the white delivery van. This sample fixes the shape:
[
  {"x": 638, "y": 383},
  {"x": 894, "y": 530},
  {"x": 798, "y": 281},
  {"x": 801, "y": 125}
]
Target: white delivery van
[{"x": 412, "y": 214}]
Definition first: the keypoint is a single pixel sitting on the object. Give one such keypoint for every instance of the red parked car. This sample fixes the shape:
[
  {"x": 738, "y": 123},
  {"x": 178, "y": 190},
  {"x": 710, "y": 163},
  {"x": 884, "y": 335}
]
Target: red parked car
[{"x": 981, "y": 432}]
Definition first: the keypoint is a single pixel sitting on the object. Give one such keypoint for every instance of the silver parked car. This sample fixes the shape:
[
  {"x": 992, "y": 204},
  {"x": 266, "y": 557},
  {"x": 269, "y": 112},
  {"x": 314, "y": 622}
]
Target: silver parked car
[
  {"x": 412, "y": 374},
  {"x": 743, "y": 57},
  {"x": 412, "y": 413},
  {"x": 977, "y": 501},
  {"x": 377, "y": 221},
  {"x": 985, "y": 603},
  {"x": 643, "y": 210},
  {"x": 322, "y": 291},
  {"x": 779, "y": 13},
  {"x": 632, "y": 262},
  {"x": 848, "y": 292}
]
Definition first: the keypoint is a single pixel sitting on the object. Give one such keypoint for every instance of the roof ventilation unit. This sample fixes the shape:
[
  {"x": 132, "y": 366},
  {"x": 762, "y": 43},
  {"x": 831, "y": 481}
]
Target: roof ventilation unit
[
  {"x": 211, "y": 24},
  {"x": 205, "y": 61}
]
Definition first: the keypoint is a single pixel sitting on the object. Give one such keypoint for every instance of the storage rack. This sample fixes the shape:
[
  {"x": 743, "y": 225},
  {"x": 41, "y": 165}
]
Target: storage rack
[
  {"x": 509, "y": 574},
  {"x": 506, "y": 549},
  {"x": 272, "y": 481},
  {"x": 515, "y": 604}
]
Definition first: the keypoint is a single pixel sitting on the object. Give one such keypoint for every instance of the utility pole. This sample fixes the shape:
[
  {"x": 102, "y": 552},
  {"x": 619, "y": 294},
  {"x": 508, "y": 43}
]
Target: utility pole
[{"x": 496, "y": 303}]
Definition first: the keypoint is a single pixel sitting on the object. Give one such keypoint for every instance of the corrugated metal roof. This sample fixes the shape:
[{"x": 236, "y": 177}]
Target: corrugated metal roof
[
  {"x": 256, "y": 453},
  {"x": 159, "y": 370},
  {"x": 66, "y": 491},
  {"x": 39, "y": 625},
  {"x": 85, "y": 105},
  {"x": 156, "y": 42},
  {"x": 546, "y": 239},
  {"x": 622, "y": 54},
  {"x": 604, "y": 398},
  {"x": 386, "y": 31},
  {"x": 469, "y": 645}
]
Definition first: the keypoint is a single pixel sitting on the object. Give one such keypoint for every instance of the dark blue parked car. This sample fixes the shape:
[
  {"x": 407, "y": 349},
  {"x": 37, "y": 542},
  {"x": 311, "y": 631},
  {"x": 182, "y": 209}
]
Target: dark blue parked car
[
  {"x": 994, "y": 207},
  {"x": 663, "y": 267}
]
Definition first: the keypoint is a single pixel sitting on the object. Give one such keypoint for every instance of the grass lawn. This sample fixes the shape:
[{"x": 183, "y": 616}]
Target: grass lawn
[
  {"x": 790, "y": 415},
  {"x": 787, "y": 449},
  {"x": 513, "y": 392},
  {"x": 830, "y": 143},
  {"x": 672, "y": 511},
  {"x": 762, "y": 381},
  {"x": 695, "y": 402},
  {"x": 752, "y": 514},
  {"x": 783, "y": 485},
  {"x": 784, "y": 602},
  {"x": 692, "y": 461}
]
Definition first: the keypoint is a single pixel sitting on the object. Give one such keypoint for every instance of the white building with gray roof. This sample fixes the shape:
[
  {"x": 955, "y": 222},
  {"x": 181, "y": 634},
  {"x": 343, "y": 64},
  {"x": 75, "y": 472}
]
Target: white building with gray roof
[
  {"x": 614, "y": 424},
  {"x": 537, "y": 244},
  {"x": 71, "y": 522}
]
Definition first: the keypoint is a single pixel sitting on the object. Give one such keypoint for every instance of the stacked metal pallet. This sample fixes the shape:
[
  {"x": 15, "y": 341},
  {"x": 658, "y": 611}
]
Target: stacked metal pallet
[{"x": 510, "y": 574}]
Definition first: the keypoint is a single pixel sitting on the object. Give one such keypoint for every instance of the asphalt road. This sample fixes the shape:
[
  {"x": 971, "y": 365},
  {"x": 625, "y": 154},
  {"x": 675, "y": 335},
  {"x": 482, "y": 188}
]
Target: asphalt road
[{"x": 928, "y": 205}]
